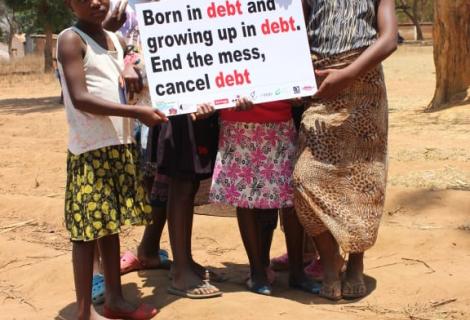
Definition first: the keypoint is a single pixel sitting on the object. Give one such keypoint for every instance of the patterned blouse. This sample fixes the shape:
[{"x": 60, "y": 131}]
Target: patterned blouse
[{"x": 337, "y": 26}]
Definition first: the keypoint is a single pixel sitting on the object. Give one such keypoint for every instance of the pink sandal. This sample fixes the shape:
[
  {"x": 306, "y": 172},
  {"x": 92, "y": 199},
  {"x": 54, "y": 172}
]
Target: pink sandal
[
  {"x": 129, "y": 263},
  {"x": 280, "y": 263},
  {"x": 314, "y": 270}
]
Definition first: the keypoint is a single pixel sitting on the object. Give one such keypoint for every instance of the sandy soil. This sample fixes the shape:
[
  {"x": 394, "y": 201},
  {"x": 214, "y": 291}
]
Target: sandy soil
[{"x": 418, "y": 269}]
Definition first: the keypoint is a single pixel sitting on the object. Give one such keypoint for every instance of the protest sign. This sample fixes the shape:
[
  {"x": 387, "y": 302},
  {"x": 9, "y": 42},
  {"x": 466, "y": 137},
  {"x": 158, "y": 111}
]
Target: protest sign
[{"x": 219, "y": 51}]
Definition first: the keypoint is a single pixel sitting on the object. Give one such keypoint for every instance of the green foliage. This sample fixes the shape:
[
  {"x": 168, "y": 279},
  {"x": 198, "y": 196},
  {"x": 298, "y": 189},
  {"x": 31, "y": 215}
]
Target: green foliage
[
  {"x": 424, "y": 10},
  {"x": 33, "y": 16}
]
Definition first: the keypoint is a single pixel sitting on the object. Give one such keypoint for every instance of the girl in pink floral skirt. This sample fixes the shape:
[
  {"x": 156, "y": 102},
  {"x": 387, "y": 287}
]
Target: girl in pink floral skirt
[{"x": 253, "y": 172}]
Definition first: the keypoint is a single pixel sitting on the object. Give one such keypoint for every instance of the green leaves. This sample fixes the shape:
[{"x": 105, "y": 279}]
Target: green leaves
[{"x": 34, "y": 15}]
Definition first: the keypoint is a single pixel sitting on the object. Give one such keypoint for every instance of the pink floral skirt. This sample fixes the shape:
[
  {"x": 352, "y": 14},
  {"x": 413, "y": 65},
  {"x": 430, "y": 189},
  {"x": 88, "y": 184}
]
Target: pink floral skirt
[{"x": 254, "y": 165}]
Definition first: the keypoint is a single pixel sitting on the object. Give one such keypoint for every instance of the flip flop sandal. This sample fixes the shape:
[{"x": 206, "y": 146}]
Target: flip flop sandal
[
  {"x": 331, "y": 292},
  {"x": 308, "y": 286},
  {"x": 97, "y": 289},
  {"x": 143, "y": 312},
  {"x": 195, "y": 292},
  {"x": 264, "y": 290},
  {"x": 352, "y": 291}
]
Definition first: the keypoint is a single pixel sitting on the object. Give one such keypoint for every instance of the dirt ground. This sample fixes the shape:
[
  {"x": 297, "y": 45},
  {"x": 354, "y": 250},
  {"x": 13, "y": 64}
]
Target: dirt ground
[{"x": 417, "y": 270}]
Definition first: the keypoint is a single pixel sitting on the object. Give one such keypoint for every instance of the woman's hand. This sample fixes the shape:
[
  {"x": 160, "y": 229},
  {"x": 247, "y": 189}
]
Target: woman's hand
[
  {"x": 149, "y": 116},
  {"x": 116, "y": 19},
  {"x": 132, "y": 80},
  {"x": 334, "y": 81},
  {"x": 204, "y": 111},
  {"x": 244, "y": 104}
]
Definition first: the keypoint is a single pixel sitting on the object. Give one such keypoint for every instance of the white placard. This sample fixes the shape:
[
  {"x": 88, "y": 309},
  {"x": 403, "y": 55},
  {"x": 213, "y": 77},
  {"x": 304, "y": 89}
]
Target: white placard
[{"x": 218, "y": 51}]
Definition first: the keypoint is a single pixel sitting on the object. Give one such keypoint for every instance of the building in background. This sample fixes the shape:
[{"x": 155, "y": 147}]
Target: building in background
[
  {"x": 408, "y": 31},
  {"x": 35, "y": 44}
]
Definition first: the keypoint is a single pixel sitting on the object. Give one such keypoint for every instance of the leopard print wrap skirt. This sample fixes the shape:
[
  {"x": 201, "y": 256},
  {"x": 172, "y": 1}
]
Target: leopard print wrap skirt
[{"x": 341, "y": 169}]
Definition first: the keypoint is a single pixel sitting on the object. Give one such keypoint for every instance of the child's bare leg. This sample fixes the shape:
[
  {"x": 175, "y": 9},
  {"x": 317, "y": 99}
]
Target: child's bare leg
[
  {"x": 250, "y": 233},
  {"x": 148, "y": 250},
  {"x": 267, "y": 223},
  {"x": 180, "y": 213},
  {"x": 114, "y": 299},
  {"x": 198, "y": 268},
  {"x": 82, "y": 260},
  {"x": 293, "y": 231}
]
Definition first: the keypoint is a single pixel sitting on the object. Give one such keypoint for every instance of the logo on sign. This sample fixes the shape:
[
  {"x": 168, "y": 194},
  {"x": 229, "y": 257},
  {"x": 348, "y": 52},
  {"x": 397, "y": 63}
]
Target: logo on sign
[
  {"x": 221, "y": 101},
  {"x": 266, "y": 94},
  {"x": 166, "y": 105}
]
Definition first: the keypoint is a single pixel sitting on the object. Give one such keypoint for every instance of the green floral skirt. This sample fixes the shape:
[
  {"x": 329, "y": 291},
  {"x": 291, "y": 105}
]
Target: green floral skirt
[{"x": 104, "y": 192}]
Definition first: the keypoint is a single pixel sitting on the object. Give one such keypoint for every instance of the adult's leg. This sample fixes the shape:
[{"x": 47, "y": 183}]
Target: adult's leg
[
  {"x": 332, "y": 261},
  {"x": 354, "y": 285},
  {"x": 180, "y": 213}
]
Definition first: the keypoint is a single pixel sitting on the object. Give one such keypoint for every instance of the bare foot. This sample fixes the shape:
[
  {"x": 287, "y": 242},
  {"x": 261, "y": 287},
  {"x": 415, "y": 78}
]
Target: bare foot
[
  {"x": 331, "y": 285},
  {"x": 354, "y": 286}
]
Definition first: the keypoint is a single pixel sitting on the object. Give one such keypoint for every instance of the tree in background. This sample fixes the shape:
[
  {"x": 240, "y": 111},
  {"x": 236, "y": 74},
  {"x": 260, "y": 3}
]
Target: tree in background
[
  {"x": 416, "y": 11},
  {"x": 42, "y": 16},
  {"x": 9, "y": 13},
  {"x": 451, "y": 53}
]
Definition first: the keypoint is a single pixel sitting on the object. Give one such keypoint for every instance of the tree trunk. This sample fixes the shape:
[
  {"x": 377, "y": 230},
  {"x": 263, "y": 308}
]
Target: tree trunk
[
  {"x": 417, "y": 21},
  {"x": 451, "y": 53},
  {"x": 413, "y": 15},
  {"x": 419, "y": 32},
  {"x": 11, "y": 32},
  {"x": 48, "y": 63}
]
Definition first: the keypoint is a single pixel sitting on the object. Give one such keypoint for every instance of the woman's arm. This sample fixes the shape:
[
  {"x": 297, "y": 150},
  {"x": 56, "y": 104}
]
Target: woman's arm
[
  {"x": 336, "y": 80},
  {"x": 70, "y": 54}
]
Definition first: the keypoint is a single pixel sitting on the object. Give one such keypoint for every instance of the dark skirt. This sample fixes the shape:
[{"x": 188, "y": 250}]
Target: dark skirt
[{"x": 187, "y": 149}]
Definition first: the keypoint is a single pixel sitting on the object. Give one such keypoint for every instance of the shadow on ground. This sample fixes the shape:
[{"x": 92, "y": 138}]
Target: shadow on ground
[
  {"x": 234, "y": 275},
  {"x": 30, "y": 105}
]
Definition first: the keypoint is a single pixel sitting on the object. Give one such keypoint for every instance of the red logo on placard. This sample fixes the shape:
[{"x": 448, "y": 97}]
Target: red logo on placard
[{"x": 220, "y": 101}]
